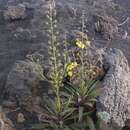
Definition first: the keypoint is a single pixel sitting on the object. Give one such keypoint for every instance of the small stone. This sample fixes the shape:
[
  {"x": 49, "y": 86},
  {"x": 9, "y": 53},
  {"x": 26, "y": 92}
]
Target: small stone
[
  {"x": 22, "y": 34},
  {"x": 15, "y": 12},
  {"x": 20, "y": 118}
]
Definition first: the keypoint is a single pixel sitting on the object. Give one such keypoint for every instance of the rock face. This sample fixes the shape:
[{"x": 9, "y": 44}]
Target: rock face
[
  {"x": 23, "y": 31},
  {"x": 23, "y": 25},
  {"x": 116, "y": 85}
]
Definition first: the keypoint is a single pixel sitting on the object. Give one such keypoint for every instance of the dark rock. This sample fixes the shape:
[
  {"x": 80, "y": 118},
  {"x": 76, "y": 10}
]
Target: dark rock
[
  {"x": 29, "y": 118},
  {"x": 115, "y": 98},
  {"x": 106, "y": 26},
  {"x": 23, "y": 81},
  {"x": 26, "y": 33},
  {"x": 15, "y": 12}
]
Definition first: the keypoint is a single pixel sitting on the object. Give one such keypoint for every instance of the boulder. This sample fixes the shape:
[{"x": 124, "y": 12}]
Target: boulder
[
  {"x": 115, "y": 98},
  {"x": 25, "y": 76},
  {"x": 22, "y": 83}
]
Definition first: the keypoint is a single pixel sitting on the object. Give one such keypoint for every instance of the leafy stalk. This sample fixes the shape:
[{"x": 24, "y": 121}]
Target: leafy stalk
[{"x": 56, "y": 75}]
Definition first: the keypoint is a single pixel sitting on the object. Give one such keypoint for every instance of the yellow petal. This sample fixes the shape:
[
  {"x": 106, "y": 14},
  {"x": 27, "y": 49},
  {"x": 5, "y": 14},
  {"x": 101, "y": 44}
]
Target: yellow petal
[
  {"x": 80, "y": 44},
  {"x": 71, "y": 65},
  {"x": 70, "y": 73}
]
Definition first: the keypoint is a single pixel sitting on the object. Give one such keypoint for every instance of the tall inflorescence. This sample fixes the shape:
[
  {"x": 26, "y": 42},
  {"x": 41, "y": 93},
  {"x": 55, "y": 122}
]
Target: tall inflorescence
[{"x": 56, "y": 74}]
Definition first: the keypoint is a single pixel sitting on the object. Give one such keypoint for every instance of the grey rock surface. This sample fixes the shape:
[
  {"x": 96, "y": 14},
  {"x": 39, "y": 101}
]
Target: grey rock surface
[
  {"x": 15, "y": 12},
  {"x": 23, "y": 32},
  {"x": 116, "y": 86},
  {"x": 23, "y": 81}
]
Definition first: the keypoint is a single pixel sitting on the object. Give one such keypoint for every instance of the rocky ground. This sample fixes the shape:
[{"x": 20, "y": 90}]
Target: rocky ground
[{"x": 23, "y": 32}]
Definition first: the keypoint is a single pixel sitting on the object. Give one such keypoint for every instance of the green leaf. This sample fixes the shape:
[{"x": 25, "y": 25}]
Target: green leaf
[
  {"x": 39, "y": 126},
  {"x": 93, "y": 86},
  {"x": 71, "y": 87},
  {"x": 90, "y": 123},
  {"x": 89, "y": 104},
  {"x": 92, "y": 100},
  {"x": 77, "y": 126},
  {"x": 66, "y": 128},
  {"x": 68, "y": 113},
  {"x": 70, "y": 90},
  {"x": 98, "y": 124},
  {"x": 50, "y": 105},
  {"x": 81, "y": 109},
  {"x": 64, "y": 94}
]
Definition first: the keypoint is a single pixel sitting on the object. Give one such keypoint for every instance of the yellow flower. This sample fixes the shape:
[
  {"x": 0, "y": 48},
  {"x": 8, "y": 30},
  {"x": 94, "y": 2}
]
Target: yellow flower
[
  {"x": 70, "y": 73},
  {"x": 70, "y": 68},
  {"x": 80, "y": 44}
]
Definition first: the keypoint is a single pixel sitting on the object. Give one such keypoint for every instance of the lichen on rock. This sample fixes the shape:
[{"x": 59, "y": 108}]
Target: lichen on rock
[{"x": 115, "y": 89}]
